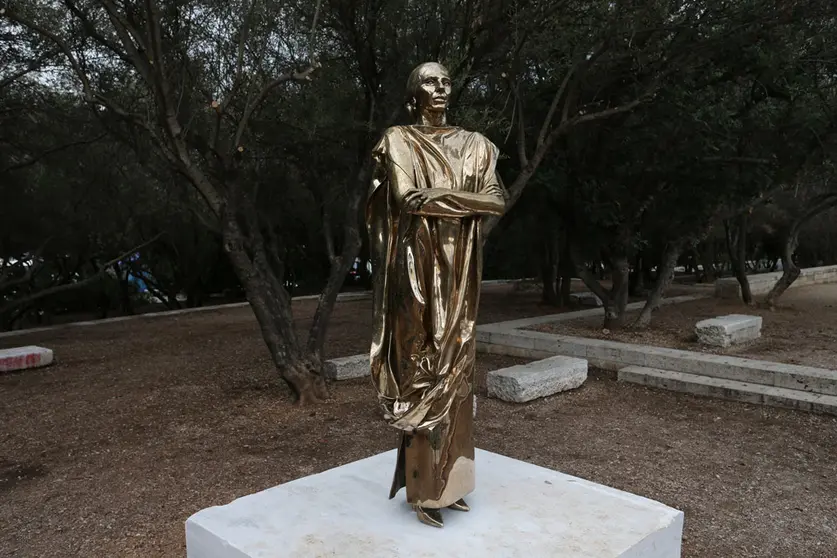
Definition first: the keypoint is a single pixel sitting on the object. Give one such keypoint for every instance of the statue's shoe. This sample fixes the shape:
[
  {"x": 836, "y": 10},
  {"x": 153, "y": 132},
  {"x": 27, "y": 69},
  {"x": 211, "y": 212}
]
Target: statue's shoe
[
  {"x": 430, "y": 516},
  {"x": 460, "y": 505}
]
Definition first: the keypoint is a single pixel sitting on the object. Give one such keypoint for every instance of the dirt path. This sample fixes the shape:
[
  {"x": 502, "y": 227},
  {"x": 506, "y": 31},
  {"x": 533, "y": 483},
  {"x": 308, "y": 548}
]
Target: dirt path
[{"x": 141, "y": 424}]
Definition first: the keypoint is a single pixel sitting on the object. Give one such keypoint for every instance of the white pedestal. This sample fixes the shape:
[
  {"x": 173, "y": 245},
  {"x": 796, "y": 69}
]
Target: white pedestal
[{"x": 517, "y": 510}]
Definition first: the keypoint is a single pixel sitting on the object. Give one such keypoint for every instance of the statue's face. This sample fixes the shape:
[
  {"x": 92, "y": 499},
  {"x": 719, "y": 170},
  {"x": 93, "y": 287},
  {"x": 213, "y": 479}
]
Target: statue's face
[{"x": 433, "y": 89}]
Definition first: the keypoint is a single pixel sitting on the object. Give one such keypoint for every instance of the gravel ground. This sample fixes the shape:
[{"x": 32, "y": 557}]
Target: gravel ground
[
  {"x": 140, "y": 424},
  {"x": 802, "y": 330}
]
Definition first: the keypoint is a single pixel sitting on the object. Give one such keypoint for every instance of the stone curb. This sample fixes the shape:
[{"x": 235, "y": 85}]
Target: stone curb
[
  {"x": 761, "y": 283},
  {"x": 342, "y": 297},
  {"x": 614, "y": 355},
  {"x": 508, "y": 338},
  {"x": 756, "y": 394}
]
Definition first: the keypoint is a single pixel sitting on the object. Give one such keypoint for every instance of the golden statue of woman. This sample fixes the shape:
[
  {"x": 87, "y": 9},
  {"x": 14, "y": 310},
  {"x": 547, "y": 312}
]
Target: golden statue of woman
[{"x": 432, "y": 185}]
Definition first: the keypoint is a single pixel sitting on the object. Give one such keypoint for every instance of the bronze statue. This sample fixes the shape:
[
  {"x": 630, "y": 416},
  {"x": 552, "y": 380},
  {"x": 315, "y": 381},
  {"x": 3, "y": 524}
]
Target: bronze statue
[{"x": 432, "y": 185}]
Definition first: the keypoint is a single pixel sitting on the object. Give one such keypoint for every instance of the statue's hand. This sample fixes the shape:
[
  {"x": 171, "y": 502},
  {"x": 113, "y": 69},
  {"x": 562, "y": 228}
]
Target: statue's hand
[{"x": 414, "y": 200}]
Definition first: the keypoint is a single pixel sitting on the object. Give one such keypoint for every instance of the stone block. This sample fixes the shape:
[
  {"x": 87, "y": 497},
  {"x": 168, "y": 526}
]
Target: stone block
[
  {"x": 526, "y": 382},
  {"x": 586, "y": 299},
  {"x": 512, "y": 338},
  {"x": 730, "y": 368},
  {"x": 724, "y": 388},
  {"x": 728, "y": 330},
  {"x": 612, "y": 351},
  {"x": 483, "y": 335},
  {"x": 346, "y": 368},
  {"x": 21, "y": 358},
  {"x": 517, "y": 352},
  {"x": 518, "y": 510},
  {"x": 761, "y": 283},
  {"x": 560, "y": 345}
]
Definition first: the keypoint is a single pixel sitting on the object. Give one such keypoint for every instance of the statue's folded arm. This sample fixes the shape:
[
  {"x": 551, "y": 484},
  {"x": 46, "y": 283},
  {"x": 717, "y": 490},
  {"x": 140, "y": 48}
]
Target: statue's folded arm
[
  {"x": 463, "y": 204},
  {"x": 441, "y": 202}
]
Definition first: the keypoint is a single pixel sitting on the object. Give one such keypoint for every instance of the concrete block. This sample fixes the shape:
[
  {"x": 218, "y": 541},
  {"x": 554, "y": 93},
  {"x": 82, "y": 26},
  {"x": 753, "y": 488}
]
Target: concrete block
[
  {"x": 728, "y": 330},
  {"x": 804, "y": 378},
  {"x": 616, "y": 352},
  {"x": 346, "y": 368},
  {"x": 663, "y": 358},
  {"x": 21, "y": 358},
  {"x": 483, "y": 335},
  {"x": 558, "y": 345},
  {"x": 817, "y": 384},
  {"x": 518, "y": 510},
  {"x": 507, "y": 350},
  {"x": 722, "y": 388},
  {"x": 512, "y": 338},
  {"x": 530, "y": 381},
  {"x": 730, "y": 368}
]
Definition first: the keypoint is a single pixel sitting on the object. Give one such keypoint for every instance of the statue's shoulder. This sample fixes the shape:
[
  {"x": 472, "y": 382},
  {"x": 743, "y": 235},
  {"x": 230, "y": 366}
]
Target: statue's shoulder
[
  {"x": 392, "y": 144},
  {"x": 484, "y": 142},
  {"x": 393, "y": 135},
  {"x": 394, "y": 132}
]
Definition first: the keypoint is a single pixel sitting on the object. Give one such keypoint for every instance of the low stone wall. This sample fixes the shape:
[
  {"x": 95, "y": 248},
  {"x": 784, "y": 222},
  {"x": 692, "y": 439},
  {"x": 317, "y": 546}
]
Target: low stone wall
[
  {"x": 761, "y": 283},
  {"x": 739, "y": 379},
  {"x": 614, "y": 355}
]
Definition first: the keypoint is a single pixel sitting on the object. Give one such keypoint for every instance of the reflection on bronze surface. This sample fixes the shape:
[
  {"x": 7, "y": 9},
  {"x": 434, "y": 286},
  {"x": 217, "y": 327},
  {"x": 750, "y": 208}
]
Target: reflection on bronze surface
[
  {"x": 432, "y": 183},
  {"x": 460, "y": 505}
]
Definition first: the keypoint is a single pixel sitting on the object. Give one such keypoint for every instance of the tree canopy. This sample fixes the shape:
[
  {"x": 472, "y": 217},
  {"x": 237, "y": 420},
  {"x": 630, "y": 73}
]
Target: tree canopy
[{"x": 180, "y": 151}]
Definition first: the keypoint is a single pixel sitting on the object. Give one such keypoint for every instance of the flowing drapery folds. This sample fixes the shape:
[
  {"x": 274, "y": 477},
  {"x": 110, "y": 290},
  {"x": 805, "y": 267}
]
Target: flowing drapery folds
[{"x": 427, "y": 268}]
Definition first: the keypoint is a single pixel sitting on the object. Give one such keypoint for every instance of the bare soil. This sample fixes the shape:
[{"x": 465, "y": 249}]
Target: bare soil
[
  {"x": 142, "y": 423},
  {"x": 802, "y": 329}
]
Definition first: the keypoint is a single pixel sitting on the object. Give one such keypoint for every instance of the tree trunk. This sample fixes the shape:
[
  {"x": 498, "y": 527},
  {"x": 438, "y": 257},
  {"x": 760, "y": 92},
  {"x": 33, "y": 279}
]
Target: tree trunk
[
  {"x": 340, "y": 267},
  {"x": 195, "y": 296},
  {"x": 737, "y": 248},
  {"x": 549, "y": 292},
  {"x": 342, "y": 263},
  {"x": 566, "y": 268},
  {"x": 637, "y": 277},
  {"x": 664, "y": 279},
  {"x": 617, "y": 304},
  {"x": 790, "y": 271},
  {"x": 707, "y": 260},
  {"x": 549, "y": 265},
  {"x": 271, "y": 305},
  {"x": 589, "y": 279},
  {"x": 125, "y": 302}
]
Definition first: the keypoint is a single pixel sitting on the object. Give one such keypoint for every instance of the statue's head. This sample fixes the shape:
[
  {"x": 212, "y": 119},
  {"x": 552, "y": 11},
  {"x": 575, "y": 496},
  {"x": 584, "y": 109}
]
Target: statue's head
[{"x": 428, "y": 89}]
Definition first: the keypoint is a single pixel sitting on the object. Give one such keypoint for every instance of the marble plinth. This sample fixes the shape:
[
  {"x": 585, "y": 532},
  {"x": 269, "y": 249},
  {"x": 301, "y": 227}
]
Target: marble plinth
[{"x": 518, "y": 510}]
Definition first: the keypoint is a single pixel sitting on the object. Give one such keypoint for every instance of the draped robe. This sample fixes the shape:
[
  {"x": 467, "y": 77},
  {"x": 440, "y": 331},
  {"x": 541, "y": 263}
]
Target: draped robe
[{"x": 427, "y": 268}]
